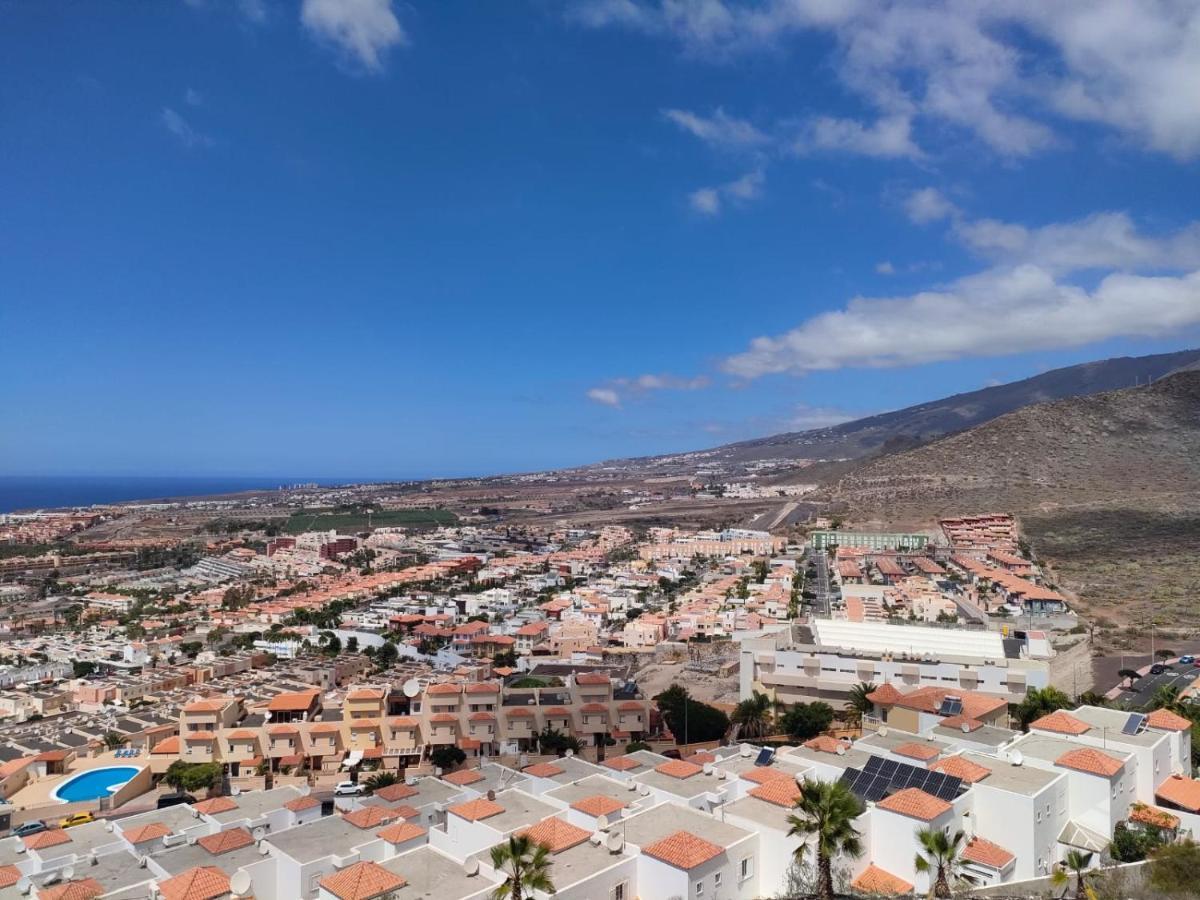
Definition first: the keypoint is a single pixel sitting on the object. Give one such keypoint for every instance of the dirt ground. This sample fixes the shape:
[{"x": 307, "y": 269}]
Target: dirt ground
[{"x": 657, "y": 677}]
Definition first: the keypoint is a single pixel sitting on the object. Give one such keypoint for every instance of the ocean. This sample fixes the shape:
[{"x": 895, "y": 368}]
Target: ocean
[{"x": 25, "y": 492}]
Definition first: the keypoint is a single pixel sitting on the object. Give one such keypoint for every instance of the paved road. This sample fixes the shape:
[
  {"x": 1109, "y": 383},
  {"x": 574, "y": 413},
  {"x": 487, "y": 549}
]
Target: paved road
[
  {"x": 821, "y": 605},
  {"x": 1143, "y": 689}
]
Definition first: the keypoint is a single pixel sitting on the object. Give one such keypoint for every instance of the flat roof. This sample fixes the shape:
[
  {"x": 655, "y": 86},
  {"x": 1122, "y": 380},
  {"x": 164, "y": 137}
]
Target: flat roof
[
  {"x": 1110, "y": 722},
  {"x": 1027, "y": 780},
  {"x": 760, "y": 812},
  {"x": 987, "y": 736},
  {"x": 429, "y": 873},
  {"x": 887, "y": 743},
  {"x": 187, "y": 856},
  {"x": 595, "y": 786},
  {"x": 851, "y": 759},
  {"x": 332, "y": 835},
  {"x": 875, "y": 637},
  {"x": 520, "y": 811},
  {"x": 681, "y": 787},
  {"x": 256, "y": 804},
  {"x": 658, "y": 822},
  {"x": 1049, "y": 749}
]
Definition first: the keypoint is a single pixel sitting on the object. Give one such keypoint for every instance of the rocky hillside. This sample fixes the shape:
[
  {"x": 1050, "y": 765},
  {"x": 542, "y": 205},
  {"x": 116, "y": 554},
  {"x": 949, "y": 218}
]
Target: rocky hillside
[{"x": 1107, "y": 487}]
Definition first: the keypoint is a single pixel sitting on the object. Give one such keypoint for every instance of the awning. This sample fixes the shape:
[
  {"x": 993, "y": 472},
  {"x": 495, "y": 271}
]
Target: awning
[
  {"x": 1082, "y": 838},
  {"x": 353, "y": 759}
]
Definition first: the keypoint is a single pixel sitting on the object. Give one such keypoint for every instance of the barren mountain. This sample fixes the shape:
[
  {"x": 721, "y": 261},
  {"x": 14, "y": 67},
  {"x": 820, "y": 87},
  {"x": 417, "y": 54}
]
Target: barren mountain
[{"x": 1107, "y": 487}]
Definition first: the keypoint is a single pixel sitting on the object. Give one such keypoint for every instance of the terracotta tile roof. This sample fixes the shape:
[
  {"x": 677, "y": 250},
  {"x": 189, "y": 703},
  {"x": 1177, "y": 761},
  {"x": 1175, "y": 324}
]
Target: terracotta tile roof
[
  {"x": 824, "y": 744},
  {"x": 225, "y": 841},
  {"x": 362, "y": 881},
  {"x": 1167, "y": 720},
  {"x": 404, "y": 722},
  {"x": 593, "y": 708},
  {"x": 1060, "y": 723},
  {"x": 518, "y": 712},
  {"x": 591, "y": 678},
  {"x": 677, "y": 768},
  {"x": 364, "y": 723},
  {"x": 283, "y": 729},
  {"x": 370, "y": 816},
  {"x": 631, "y": 706},
  {"x": 482, "y": 717},
  {"x": 986, "y": 853},
  {"x": 623, "y": 763},
  {"x": 763, "y": 774},
  {"x": 463, "y": 777},
  {"x": 444, "y": 688},
  {"x": 1092, "y": 761},
  {"x": 444, "y": 718},
  {"x": 915, "y": 803},
  {"x": 9, "y": 875},
  {"x": 200, "y": 883},
  {"x": 780, "y": 791},
  {"x": 214, "y": 704},
  {"x": 557, "y": 711},
  {"x": 365, "y": 694},
  {"x": 394, "y": 792},
  {"x": 401, "y": 832},
  {"x": 961, "y": 767},
  {"x": 683, "y": 850},
  {"x": 166, "y": 745},
  {"x": 200, "y": 736},
  {"x": 543, "y": 770},
  {"x": 483, "y": 687},
  {"x": 146, "y": 833},
  {"x": 292, "y": 701},
  {"x": 474, "y": 810},
  {"x": 557, "y": 834},
  {"x": 874, "y": 880},
  {"x": 915, "y": 750},
  {"x": 1153, "y": 816},
  {"x": 214, "y": 805},
  {"x": 302, "y": 803},
  {"x": 598, "y": 805},
  {"x": 885, "y": 694},
  {"x": 245, "y": 734},
  {"x": 1180, "y": 791},
  {"x": 51, "y": 838},
  {"x": 85, "y": 889},
  {"x": 701, "y": 758}
]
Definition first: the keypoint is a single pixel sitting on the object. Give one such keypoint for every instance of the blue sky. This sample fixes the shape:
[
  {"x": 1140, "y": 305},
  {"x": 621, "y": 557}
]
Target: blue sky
[{"x": 358, "y": 238}]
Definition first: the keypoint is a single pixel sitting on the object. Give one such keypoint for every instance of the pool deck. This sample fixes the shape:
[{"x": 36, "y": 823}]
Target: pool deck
[{"x": 39, "y": 793}]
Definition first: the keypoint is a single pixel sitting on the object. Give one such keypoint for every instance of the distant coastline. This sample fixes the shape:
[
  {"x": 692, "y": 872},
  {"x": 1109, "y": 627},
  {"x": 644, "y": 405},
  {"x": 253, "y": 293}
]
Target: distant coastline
[{"x": 30, "y": 492}]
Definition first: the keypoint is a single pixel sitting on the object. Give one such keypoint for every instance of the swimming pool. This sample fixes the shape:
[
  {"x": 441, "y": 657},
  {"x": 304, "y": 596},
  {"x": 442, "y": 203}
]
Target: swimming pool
[{"x": 94, "y": 783}]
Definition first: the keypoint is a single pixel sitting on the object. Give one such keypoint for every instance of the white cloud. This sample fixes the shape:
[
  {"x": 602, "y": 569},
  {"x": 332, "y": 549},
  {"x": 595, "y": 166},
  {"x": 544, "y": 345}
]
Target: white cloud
[
  {"x": 885, "y": 268},
  {"x": 604, "y": 396},
  {"x": 890, "y": 137},
  {"x": 363, "y": 30},
  {"x": 193, "y": 97},
  {"x": 994, "y": 313},
  {"x": 719, "y": 130},
  {"x": 1002, "y": 71},
  {"x": 706, "y": 201},
  {"x": 709, "y": 201},
  {"x": 178, "y": 126},
  {"x": 928, "y": 205},
  {"x": 253, "y": 10}
]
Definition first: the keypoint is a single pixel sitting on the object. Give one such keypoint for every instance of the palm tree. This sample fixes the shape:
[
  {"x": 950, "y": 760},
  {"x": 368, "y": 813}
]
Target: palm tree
[
  {"x": 859, "y": 702},
  {"x": 381, "y": 780},
  {"x": 525, "y": 867},
  {"x": 1077, "y": 861},
  {"x": 752, "y": 718},
  {"x": 938, "y": 853},
  {"x": 825, "y": 810},
  {"x": 114, "y": 739},
  {"x": 1167, "y": 697}
]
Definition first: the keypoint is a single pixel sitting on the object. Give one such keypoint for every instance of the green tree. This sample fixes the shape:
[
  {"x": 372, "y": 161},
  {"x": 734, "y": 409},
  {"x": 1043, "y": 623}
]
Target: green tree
[
  {"x": 1133, "y": 845},
  {"x": 1129, "y": 676},
  {"x": 386, "y": 655},
  {"x": 352, "y": 644},
  {"x": 689, "y": 720},
  {"x": 505, "y": 659},
  {"x": 525, "y": 867},
  {"x": 1076, "y": 862},
  {"x": 330, "y": 643},
  {"x": 1039, "y": 702},
  {"x": 81, "y": 668},
  {"x": 551, "y": 740},
  {"x": 752, "y": 718},
  {"x": 381, "y": 780},
  {"x": 447, "y": 757},
  {"x": 859, "y": 702},
  {"x": 635, "y": 746},
  {"x": 1167, "y": 697},
  {"x": 114, "y": 739},
  {"x": 825, "y": 813},
  {"x": 939, "y": 854},
  {"x": 185, "y": 776},
  {"x": 1173, "y": 868},
  {"x": 806, "y": 720}
]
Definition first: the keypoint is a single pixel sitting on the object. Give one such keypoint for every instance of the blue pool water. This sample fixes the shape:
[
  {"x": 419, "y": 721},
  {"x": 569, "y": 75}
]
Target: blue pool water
[{"x": 94, "y": 783}]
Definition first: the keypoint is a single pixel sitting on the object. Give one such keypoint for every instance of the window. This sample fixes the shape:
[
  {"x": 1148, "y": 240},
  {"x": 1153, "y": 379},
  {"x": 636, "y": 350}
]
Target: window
[
  {"x": 747, "y": 868},
  {"x": 699, "y": 888},
  {"x": 618, "y": 892},
  {"x": 717, "y": 880}
]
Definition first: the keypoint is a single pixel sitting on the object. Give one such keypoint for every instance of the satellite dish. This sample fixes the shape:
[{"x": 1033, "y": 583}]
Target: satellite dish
[
  {"x": 708, "y": 768},
  {"x": 142, "y": 860},
  {"x": 259, "y": 833},
  {"x": 570, "y": 752},
  {"x": 240, "y": 883},
  {"x": 471, "y": 866},
  {"x": 615, "y": 843},
  {"x": 1016, "y": 758},
  {"x": 109, "y": 826},
  {"x": 305, "y": 790},
  {"x": 644, "y": 789},
  {"x": 263, "y": 849},
  {"x": 746, "y": 750},
  {"x": 411, "y": 688},
  {"x": 191, "y": 839},
  {"x": 883, "y": 730},
  {"x": 491, "y": 795},
  {"x": 24, "y": 885},
  {"x": 722, "y": 775},
  {"x": 597, "y": 839},
  {"x": 602, "y": 823},
  {"x": 235, "y": 790},
  {"x": 68, "y": 873},
  {"x": 966, "y": 729}
]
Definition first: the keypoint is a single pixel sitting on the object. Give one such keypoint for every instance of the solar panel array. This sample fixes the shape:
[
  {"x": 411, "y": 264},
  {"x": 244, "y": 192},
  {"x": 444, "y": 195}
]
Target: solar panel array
[
  {"x": 951, "y": 706},
  {"x": 880, "y": 777},
  {"x": 1134, "y": 724},
  {"x": 765, "y": 755}
]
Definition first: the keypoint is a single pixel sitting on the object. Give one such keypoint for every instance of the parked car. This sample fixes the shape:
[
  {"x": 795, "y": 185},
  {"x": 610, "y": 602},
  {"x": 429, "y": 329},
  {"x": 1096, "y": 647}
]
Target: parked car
[
  {"x": 1158, "y": 668},
  {"x": 79, "y": 818},
  {"x": 1187, "y": 660},
  {"x": 174, "y": 800},
  {"x": 348, "y": 789},
  {"x": 26, "y": 828}
]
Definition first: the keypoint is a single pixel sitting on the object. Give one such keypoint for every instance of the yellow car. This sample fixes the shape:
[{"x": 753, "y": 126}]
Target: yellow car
[{"x": 80, "y": 818}]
